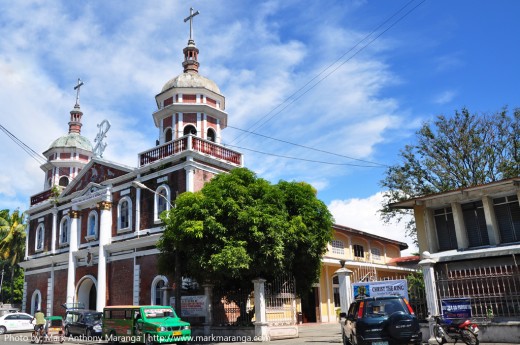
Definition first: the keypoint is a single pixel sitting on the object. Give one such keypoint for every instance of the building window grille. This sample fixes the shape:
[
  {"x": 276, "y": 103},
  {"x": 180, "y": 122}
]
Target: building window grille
[
  {"x": 338, "y": 247},
  {"x": 359, "y": 251},
  {"x": 507, "y": 213},
  {"x": 445, "y": 227}
]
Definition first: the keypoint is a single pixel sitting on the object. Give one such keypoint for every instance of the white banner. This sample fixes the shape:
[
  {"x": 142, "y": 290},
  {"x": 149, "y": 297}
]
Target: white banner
[
  {"x": 191, "y": 305},
  {"x": 381, "y": 288}
]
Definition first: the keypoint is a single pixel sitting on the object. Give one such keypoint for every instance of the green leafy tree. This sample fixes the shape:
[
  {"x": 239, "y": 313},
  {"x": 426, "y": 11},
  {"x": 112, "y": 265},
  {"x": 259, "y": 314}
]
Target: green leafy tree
[
  {"x": 239, "y": 227},
  {"x": 450, "y": 153},
  {"x": 12, "y": 246}
]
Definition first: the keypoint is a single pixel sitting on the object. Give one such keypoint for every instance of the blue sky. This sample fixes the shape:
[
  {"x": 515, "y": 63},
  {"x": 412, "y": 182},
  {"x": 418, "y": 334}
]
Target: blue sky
[{"x": 442, "y": 56}]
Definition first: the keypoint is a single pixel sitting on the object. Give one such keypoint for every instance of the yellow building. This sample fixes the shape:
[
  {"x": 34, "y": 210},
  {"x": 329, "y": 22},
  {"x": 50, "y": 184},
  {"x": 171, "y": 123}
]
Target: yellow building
[{"x": 369, "y": 257}]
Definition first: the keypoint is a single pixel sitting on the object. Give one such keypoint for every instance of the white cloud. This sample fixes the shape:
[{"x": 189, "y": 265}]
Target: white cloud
[
  {"x": 361, "y": 214},
  {"x": 445, "y": 97}
]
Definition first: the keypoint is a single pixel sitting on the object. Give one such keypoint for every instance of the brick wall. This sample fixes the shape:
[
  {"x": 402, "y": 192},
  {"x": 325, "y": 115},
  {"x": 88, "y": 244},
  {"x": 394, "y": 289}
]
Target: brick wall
[
  {"x": 60, "y": 292},
  {"x": 120, "y": 274}
]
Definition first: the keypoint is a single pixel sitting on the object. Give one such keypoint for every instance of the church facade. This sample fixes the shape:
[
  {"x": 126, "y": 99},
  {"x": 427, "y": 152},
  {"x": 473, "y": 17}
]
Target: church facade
[{"x": 92, "y": 231}]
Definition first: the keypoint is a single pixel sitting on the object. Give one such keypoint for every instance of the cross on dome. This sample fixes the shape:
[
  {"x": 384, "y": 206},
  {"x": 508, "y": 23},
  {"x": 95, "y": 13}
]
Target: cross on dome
[
  {"x": 190, "y": 18},
  {"x": 77, "y": 88}
]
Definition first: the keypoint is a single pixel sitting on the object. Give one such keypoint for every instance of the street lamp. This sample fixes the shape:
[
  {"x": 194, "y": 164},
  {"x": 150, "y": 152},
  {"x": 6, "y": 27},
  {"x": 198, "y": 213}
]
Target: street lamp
[
  {"x": 139, "y": 184},
  {"x": 177, "y": 275}
]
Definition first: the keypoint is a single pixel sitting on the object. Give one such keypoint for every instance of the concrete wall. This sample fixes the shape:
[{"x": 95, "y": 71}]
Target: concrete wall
[{"x": 491, "y": 332}]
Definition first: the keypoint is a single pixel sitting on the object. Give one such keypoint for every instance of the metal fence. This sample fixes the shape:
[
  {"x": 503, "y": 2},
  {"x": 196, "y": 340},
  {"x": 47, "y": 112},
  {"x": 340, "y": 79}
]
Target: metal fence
[
  {"x": 232, "y": 308},
  {"x": 280, "y": 301},
  {"x": 493, "y": 291}
]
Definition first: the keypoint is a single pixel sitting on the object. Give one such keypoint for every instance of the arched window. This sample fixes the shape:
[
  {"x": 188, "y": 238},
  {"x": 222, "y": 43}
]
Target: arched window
[
  {"x": 158, "y": 285},
  {"x": 190, "y": 129},
  {"x": 36, "y": 301},
  {"x": 162, "y": 200},
  {"x": 211, "y": 136},
  {"x": 64, "y": 230},
  {"x": 64, "y": 181},
  {"x": 168, "y": 135},
  {"x": 92, "y": 226},
  {"x": 124, "y": 214},
  {"x": 40, "y": 233}
]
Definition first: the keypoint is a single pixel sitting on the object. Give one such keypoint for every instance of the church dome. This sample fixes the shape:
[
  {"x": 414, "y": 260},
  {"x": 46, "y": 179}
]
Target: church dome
[
  {"x": 188, "y": 79},
  {"x": 72, "y": 140}
]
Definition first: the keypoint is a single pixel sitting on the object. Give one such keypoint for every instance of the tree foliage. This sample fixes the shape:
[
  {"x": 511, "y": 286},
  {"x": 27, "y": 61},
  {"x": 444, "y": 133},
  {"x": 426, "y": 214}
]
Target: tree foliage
[
  {"x": 239, "y": 227},
  {"x": 12, "y": 248},
  {"x": 453, "y": 152}
]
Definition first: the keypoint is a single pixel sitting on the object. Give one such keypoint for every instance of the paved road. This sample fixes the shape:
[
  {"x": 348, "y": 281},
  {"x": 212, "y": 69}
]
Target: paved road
[{"x": 310, "y": 334}]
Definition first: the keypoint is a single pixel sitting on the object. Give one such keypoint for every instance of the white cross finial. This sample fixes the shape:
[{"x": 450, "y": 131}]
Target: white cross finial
[
  {"x": 77, "y": 87},
  {"x": 190, "y": 18}
]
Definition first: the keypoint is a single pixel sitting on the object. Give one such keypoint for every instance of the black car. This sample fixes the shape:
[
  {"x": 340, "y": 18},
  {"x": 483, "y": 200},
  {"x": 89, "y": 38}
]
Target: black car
[
  {"x": 83, "y": 323},
  {"x": 387, "y": 320}
]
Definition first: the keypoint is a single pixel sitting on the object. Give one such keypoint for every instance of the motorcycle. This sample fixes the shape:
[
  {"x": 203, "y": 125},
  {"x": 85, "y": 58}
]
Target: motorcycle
[{"x": 446, "y": 330}]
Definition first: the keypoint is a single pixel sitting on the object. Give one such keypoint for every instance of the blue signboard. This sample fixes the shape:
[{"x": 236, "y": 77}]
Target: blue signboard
[{"x": 456, "y": 308}]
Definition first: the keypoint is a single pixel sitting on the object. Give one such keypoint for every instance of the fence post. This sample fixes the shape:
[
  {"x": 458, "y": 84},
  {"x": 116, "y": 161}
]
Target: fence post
[
  {"x": 427, "y": 264},
  {"x": 345, "y": 291},
  {"x": 260, "y": 310},
  {"x": 208, "y": 319}
]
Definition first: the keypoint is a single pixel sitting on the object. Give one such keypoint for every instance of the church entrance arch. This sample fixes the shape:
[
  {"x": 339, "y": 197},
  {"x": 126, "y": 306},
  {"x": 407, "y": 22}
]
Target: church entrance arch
[{"x": 87, "y": 292}]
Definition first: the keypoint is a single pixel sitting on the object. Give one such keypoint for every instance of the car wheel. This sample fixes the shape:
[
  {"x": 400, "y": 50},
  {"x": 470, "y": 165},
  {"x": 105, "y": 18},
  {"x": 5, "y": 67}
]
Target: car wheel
[
  {"x": 148, "y": 339},
  {"x": 112, "y": 338},
  {"x": 88, "y": 333},
  {"x": 67, "y": 333},
  {"x": 3, "y": 330}
]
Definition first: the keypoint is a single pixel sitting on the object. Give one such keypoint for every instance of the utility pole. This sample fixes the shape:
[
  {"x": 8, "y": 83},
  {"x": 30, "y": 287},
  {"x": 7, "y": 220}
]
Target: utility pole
[{"x": 1, "y": 284}]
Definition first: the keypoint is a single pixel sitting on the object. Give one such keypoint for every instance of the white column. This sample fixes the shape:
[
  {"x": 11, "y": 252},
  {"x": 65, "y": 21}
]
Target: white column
[
  {"x": 430, "y": 286},
  {"x": 345, "y": 290},
  {"x": 260, "y": 310},
  {"x": 54, "y": 225},
  {"x": 137, "y": 285},
  {"x": 190, "y": 179},
  {"x": 491, "y": 221},
  {"x": 208, "y": 320},
  {"x": 460, "y": 229},
  {"x": 73, "y": 247},
  {"x": 105, "y": 235},
  {"x": 137, "y": 210}
]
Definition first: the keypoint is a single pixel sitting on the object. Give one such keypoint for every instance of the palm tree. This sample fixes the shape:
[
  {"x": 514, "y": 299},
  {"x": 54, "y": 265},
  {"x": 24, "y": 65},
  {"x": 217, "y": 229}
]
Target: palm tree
[{"x": 12, "y": 241}]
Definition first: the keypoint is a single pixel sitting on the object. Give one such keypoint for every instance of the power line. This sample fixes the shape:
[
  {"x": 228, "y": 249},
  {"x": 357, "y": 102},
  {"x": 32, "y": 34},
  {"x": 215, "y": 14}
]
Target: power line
[
  {"x": 306, "y": 160},
  {"x": 36, "y": 156},
  {"x": 290, "y": 100},
  {"x": 310, "y": 148}
]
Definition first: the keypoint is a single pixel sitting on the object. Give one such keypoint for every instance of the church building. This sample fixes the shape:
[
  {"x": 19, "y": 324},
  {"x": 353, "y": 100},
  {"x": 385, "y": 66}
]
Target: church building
[{"x": 92, "y": 230}]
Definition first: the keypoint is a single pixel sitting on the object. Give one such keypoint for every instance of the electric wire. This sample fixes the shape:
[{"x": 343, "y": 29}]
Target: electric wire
[
  {"x": 294, "y": 97},
  {"x": 36, "y": 156},
  {"x": 306, "y": 160},
  {"x": 308, "y": 148}
]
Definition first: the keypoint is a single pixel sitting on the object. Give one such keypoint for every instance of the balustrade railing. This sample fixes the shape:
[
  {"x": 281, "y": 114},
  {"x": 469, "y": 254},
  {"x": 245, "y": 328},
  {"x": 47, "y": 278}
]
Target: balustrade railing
[{"x": 189, "y": 143}]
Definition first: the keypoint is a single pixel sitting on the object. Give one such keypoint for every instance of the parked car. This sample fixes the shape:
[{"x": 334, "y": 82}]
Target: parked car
[
  {"x": 387, "y": 320},
  {"x": 83, "y": 322},
  {"x": 16, "y": 322}
]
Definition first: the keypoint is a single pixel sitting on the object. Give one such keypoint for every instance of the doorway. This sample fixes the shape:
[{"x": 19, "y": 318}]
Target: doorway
[
  {"x": 311, "y": 306},
  {"x": 87, "y": 292}
]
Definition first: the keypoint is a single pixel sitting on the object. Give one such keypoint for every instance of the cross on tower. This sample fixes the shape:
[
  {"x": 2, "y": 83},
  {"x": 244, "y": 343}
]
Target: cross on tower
[
  {"x": 77, "y": 87},
  {"x": 190, "y": 18}
]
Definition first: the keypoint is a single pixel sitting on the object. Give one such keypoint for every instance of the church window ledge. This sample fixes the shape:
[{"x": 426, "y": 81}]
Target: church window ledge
[{"x": 90, "y": 238}]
